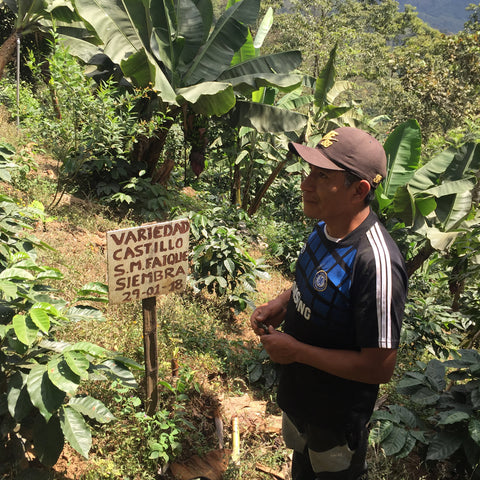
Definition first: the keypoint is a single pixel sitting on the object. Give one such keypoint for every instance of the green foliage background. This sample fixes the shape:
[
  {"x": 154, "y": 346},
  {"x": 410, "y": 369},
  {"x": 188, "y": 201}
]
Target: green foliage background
[{"x": 364, "y": 63}]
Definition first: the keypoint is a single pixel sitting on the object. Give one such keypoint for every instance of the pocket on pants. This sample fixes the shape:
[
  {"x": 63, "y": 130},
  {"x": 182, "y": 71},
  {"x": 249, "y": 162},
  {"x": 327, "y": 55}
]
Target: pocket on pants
[
  {"x": 337, "y": 459},
  {"x": 292, "y": 437}
]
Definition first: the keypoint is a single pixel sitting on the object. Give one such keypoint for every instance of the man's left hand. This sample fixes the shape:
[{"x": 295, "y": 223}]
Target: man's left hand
[{"x": 281, "y": 347}]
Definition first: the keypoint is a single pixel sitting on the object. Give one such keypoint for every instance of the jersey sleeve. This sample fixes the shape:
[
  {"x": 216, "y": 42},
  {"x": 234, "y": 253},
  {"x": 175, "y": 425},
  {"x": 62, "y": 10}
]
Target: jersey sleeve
[{"x": 379, "y": 293}]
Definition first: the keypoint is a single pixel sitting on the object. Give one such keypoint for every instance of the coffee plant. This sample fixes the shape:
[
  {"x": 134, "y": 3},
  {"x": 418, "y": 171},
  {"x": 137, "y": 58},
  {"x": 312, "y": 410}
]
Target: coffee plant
[
  {"x": 43, "y": 398},
  {"x": 220, "y": 260},
  {"x": 440, "y": 414}
]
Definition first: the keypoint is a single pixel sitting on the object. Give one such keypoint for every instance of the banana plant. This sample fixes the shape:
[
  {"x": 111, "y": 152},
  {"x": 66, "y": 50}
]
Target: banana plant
[
  {"x": 174, "y": 48},
  {"x": 27, "y": 16},
  {"x": 433, "y": 200},
  {"x": 258, "y": 119},
  {"x": 32, "y": 16},
  {"x": 318, "y": 96},
  {"x": 314, "y": 104}
]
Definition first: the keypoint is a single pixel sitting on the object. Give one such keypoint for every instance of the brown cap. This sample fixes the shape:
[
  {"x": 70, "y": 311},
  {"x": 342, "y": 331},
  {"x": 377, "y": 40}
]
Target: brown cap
[{"x": 349, "y": 149}]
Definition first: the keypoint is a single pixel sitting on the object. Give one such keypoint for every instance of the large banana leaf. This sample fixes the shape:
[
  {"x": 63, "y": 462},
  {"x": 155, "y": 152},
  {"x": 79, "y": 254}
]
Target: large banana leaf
[
  {"x": 82, "y": 49},
  {"x": 208, "y": 98},
  {"x": 267, "y": 118},
  {"x": 113, "y": 26},
  {"x": 247, "y": 84},
  {"x": 429, "y": 175},
  {"x": 178, "y": 32},
  {"x": 441, "y": 240},
  {"x": 295, "y": 100},
  {"x": 283, "y": 62},
  {"x": 337, "y": 88},
  {"x": 205, "y": 8},
  {"x": 402, "y": 147},
  {"x": 325, "y": 80},
  {"x": 448, "y": 177},
  {"x": 143, "y": 70},
  {"x": 251, "y": 48},
  {"x": 455, "y": 208},
  {"x": 246, "y": 52},
  {"x": 263, "y": 29},
  {"x": 26, "y": 11},
  {"x": 123, "y": 42},
  {"x": 228, "y": 36},
  {"x": 403, "y": 204}
]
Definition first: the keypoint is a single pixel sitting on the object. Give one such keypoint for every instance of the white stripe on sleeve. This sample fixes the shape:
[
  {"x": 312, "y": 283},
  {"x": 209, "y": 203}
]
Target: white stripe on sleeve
[{"x": 383, "y": 285}]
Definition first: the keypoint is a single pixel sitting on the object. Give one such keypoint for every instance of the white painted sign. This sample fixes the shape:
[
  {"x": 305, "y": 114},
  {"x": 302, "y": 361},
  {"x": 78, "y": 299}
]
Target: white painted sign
[{"x": 147, "y": 261}]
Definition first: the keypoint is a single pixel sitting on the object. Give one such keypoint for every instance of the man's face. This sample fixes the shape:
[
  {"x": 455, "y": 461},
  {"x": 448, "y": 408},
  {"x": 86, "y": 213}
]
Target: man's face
[{"x": 325, "y": 195}]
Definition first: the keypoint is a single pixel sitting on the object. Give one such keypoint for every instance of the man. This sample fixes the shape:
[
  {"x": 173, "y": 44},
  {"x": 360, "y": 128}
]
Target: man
[{"x": 343, "y": 314}]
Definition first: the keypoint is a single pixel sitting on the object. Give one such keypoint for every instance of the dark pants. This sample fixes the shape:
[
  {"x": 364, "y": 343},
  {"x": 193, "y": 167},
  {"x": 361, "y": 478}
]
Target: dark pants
[{"x": 325, "y": 454}]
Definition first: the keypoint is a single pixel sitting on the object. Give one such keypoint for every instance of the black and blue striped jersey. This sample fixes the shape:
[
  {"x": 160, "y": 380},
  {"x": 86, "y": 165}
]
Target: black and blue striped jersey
[{"x": 348, "y": 294}]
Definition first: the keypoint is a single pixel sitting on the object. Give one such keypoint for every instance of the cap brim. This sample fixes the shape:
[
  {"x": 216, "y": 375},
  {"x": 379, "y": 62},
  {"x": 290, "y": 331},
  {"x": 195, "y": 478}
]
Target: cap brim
[{"x": 313, "y": 156}]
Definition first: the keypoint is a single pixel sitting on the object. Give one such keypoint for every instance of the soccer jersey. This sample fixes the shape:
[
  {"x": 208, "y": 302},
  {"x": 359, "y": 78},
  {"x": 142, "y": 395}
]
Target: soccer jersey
[{"x": 348, "y": 294}]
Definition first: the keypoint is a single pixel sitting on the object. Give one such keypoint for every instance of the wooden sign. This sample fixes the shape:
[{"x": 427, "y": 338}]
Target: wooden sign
[{"x": 147, "y": 261}]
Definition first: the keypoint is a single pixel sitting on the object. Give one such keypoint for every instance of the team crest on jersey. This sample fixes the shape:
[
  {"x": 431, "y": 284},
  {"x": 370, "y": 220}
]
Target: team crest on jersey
[{"x": 320, "y": 281}]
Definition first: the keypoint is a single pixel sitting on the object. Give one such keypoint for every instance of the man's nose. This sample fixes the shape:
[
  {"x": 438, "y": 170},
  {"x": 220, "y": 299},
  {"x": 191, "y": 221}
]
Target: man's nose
[{"x": 307, "y": 183}]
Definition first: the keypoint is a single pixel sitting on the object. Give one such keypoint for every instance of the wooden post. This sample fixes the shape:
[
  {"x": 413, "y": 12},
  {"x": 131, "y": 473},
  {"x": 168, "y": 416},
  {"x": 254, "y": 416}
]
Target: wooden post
[{"x": 151, "y": 354}]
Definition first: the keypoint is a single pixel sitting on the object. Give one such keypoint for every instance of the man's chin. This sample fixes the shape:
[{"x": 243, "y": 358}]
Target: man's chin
[{"x": 309, "y": 212}]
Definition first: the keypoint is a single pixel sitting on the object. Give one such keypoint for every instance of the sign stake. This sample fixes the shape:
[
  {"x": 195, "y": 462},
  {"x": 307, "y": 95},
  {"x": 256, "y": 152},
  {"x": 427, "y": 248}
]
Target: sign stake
[
  {"x": 143, "y": 263},
  {"x": 150, "y": 344}
]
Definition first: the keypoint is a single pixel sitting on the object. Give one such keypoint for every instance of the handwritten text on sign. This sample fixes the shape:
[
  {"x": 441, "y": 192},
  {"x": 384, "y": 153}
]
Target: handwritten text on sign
[{"x": 147, "y": 261}]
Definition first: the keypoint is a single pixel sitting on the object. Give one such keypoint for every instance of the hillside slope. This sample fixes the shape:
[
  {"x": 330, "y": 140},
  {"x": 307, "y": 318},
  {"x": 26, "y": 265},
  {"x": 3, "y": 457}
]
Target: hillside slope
[{"x": 445, "y": 15}]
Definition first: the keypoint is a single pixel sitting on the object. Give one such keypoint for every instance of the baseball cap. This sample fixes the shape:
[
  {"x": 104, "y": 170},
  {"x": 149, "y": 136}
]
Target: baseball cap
[{"x": 349, "y": 149}]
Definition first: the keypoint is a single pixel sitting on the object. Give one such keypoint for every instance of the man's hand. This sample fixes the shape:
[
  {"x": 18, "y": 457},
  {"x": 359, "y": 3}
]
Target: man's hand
[
  {"x": 280, "y": 347},
  {"x": 270, "y": 313}
]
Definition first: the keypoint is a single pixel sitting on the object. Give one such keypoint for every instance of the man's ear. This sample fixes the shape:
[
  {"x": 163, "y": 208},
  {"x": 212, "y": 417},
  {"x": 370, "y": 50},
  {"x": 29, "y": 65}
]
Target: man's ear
[{"x": 361, "y": 190}]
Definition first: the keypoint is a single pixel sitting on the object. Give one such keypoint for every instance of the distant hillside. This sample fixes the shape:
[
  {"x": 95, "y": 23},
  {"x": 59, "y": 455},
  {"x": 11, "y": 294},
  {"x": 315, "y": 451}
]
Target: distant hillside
[{"x": 447, "y": 16}]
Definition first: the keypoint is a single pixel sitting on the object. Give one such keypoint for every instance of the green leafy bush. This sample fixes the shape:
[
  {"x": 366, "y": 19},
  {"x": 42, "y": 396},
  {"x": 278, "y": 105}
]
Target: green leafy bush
[
  {"x": 442, "y": 416},
  {"x": 220, "y": 260},
  {"x": 91, "y": 130},
  {"x": 430, "y": 326},
  {"x": 151, "y": 201},
  {"x": 261, "y": 370},
  {"x": 284, "y": 242},
  {"x": 156, "y": 438},
  {"x": 41, "y": 399}
]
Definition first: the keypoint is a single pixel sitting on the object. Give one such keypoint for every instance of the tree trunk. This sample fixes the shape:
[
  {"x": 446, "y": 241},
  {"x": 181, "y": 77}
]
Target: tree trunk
[
  {"x": 148, "y": 150},
  {"x": 46, "y": 77},
  {"x": 418, "y": 260},
  {"x": 162, "y": 174},
  {"x": 236, "y": 195},
  {"x": 7, "y": 51},
  {"x": 246, "y": 186},
  {"x": 456, "y": 281},
  {"x": 261, "y": 193}
]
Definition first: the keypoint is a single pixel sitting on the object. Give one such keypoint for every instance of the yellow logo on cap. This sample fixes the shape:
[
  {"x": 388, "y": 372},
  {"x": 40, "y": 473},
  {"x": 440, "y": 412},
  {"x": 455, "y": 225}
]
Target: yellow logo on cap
[
  {"x": 377, "y": 179},
  {"x": 328, "y": 139}
]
